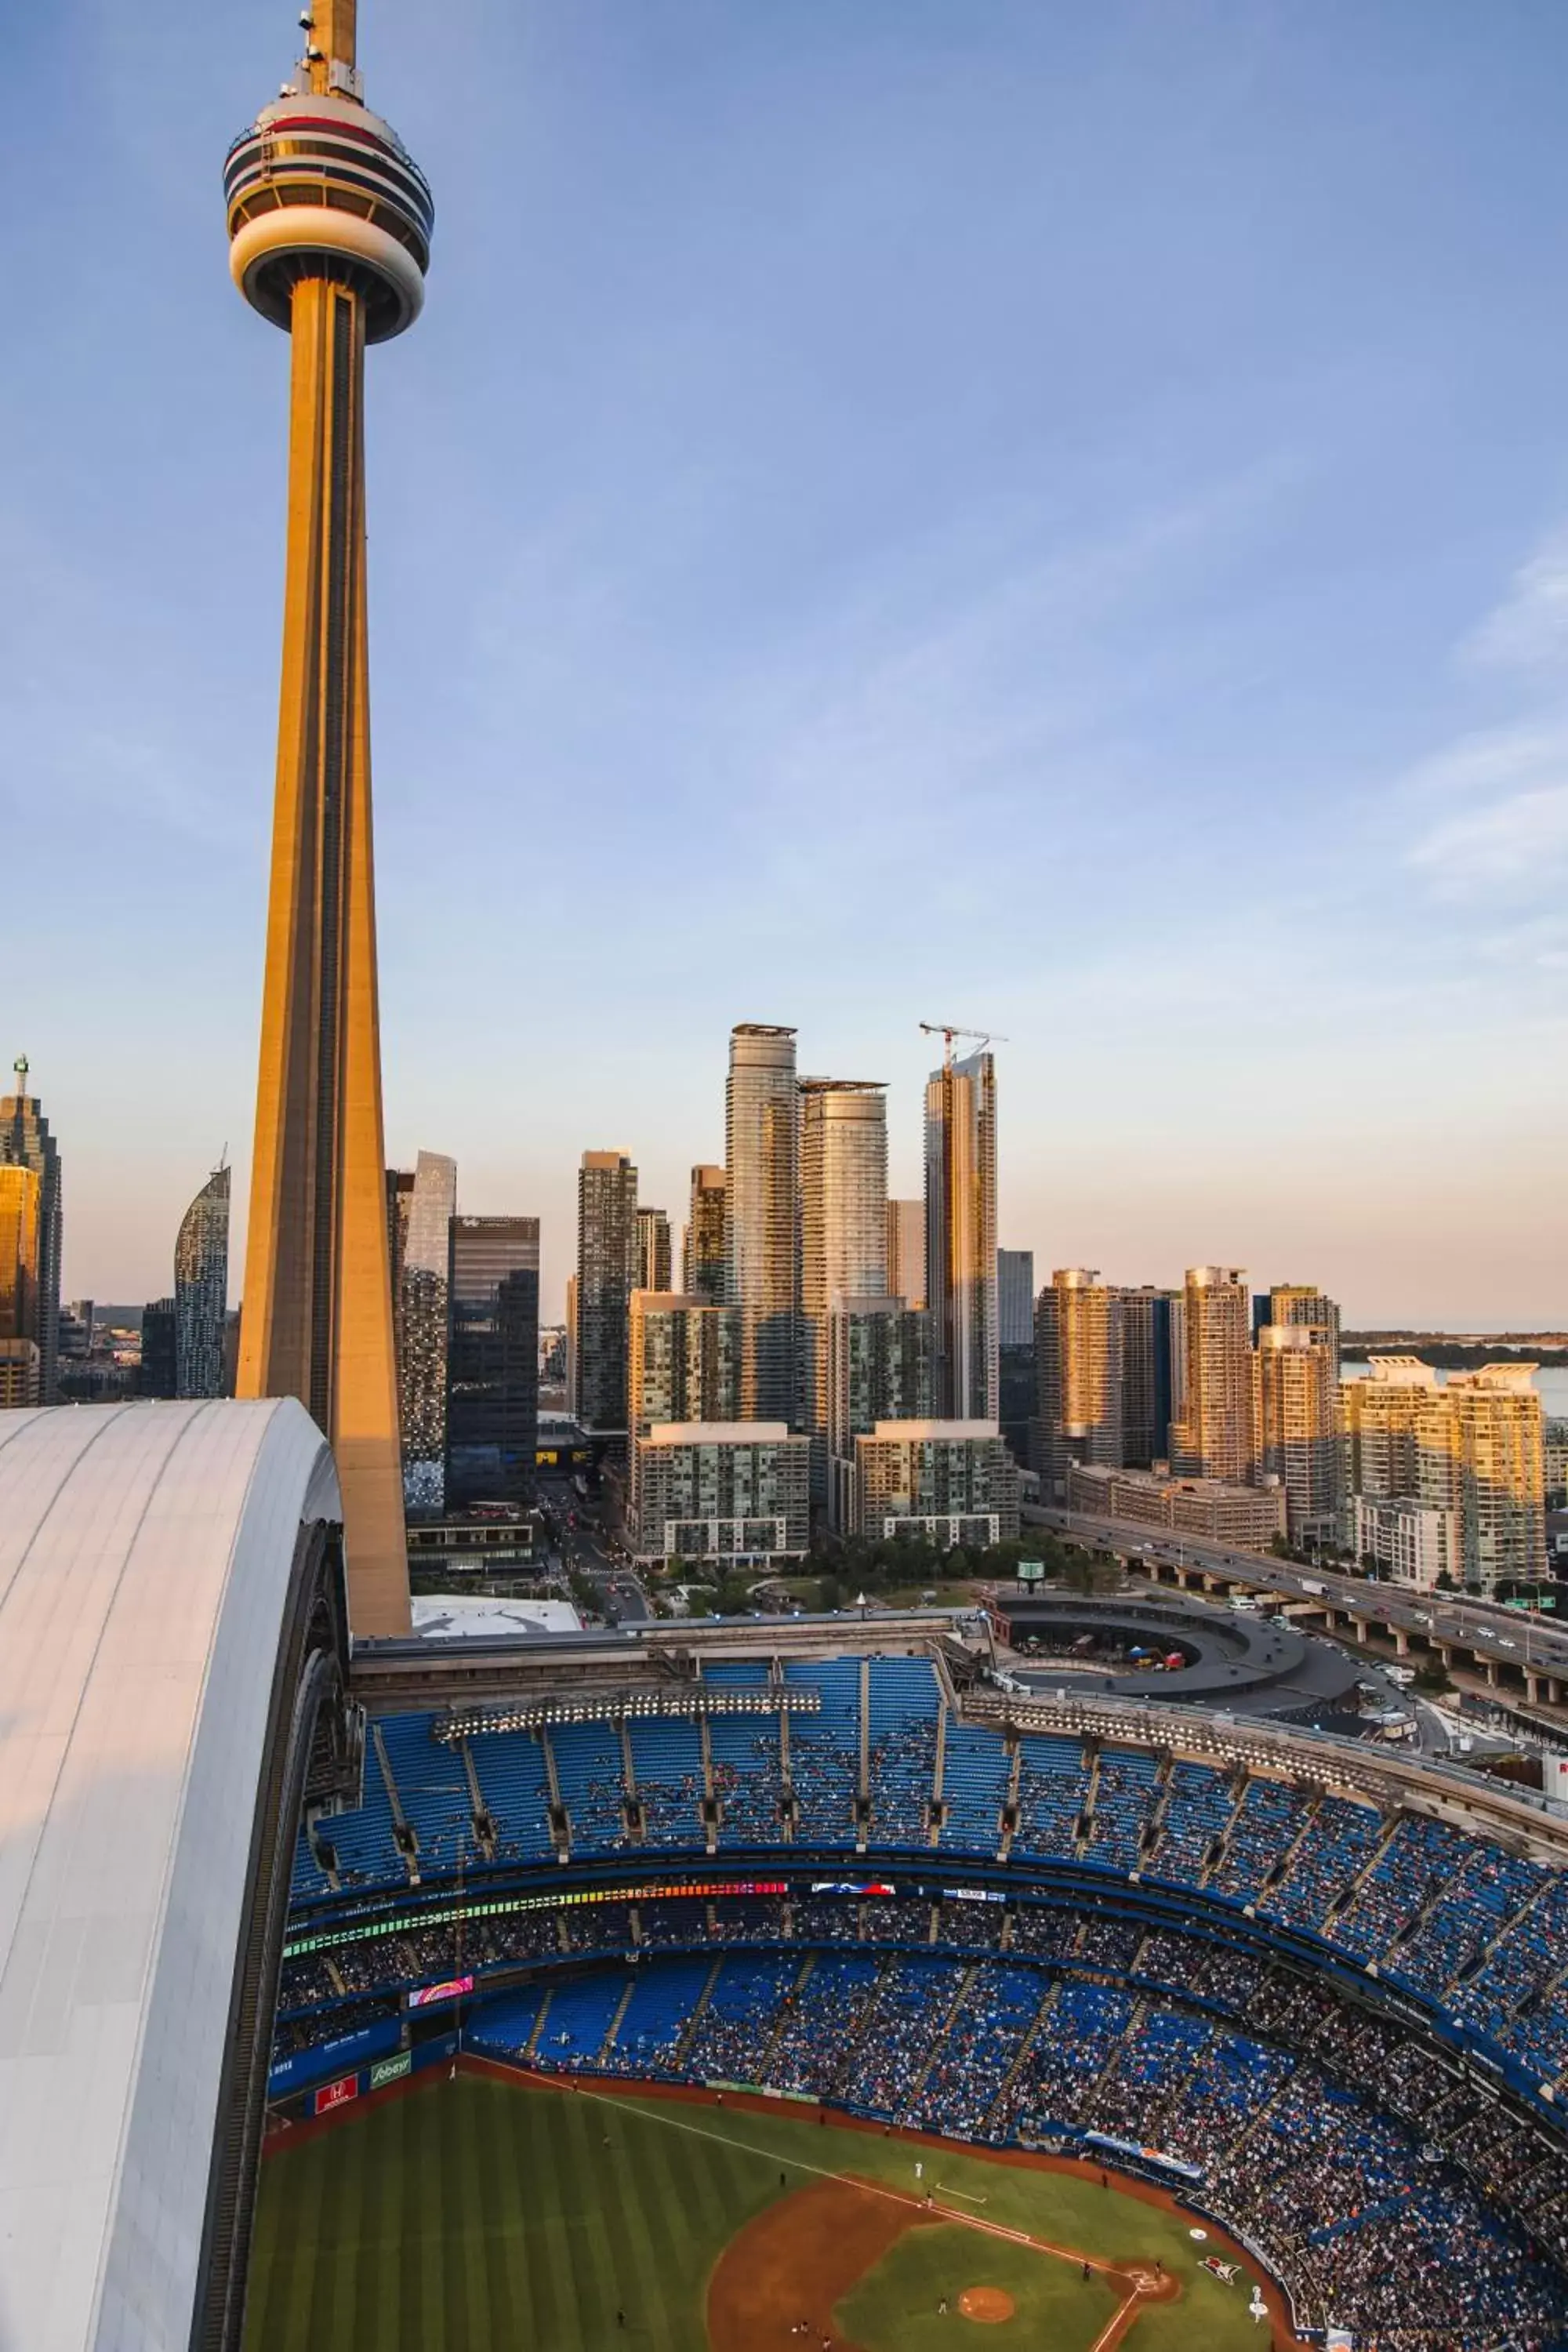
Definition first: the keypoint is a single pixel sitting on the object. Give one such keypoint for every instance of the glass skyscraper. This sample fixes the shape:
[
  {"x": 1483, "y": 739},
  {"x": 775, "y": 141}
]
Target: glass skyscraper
[
  {"x": 159, "y": 1372},
  {"x": 961, "y": 1237},
  {"x": 201, "y": 1290},
  {"x": 493, "y": 1396},
  {"x": 762, "y": 1149},
  {"x": 26, "y": 1143}
]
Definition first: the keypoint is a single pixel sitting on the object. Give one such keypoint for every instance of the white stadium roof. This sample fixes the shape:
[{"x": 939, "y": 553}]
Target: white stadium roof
[{"x": 146, "y": 1553}]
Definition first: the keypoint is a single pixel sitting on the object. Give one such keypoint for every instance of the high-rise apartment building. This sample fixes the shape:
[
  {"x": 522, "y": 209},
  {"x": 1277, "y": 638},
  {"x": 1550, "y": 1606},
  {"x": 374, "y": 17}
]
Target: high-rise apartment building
[
  {"x": 685, "y": 1360},
  {"x": 335, "y": 256},
  {"x": 685, "y": 1366},
  {"x": 762, "y": 1151},
  {"x": 906, "y": 1251},
  {"x": 1078, "y": 1350},
  {"x": 1212, "y": 1437},
  {"x": 842, "y": 1230},
  {"x": 702, "y": 1255},
  {"x": 1148, "y": 1348},
  {"x": 961, "y": 1236},
  {"x": 399, "y": 1199},
  {"x": 953, "y": 1481},
  {"x": 26, "y": 1143},
  {"x": 1299, "y": 1304},
  {"x": 201, "y": 1290},
  {"x": 879, "y": 1369},
  {"x": 399, "y": 1202},
  {"x": 725, "y": 1492},
  {"x": 654, "y": 1264},
  {"x": 423, "y": 1323},
  {"x": 1472, "y": 1446},
  {"x": 1494, "y": 1474},
  {"x": 1295, "y": 1396},
  {"x": 607, "y": 1272},
  {"x": 492, "y": 1391},
  {"x": 1379, "y": 1422},
  {"x": 20, "y": 1357}
]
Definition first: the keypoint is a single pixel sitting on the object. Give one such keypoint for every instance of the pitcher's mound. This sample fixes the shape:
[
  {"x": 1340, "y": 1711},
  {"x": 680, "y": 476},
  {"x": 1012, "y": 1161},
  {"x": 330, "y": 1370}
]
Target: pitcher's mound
[{"x": 988, "y": 2303}]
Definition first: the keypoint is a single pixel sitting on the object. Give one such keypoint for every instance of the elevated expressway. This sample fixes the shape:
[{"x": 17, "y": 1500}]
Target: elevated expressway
[{"x": 1514, "y": 1652}]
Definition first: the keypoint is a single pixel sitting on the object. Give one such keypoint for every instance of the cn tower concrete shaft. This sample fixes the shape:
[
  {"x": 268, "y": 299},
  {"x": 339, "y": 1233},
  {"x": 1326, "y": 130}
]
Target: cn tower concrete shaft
[
  {"x": 318, "y": 1289},
  {"x": 317, "y": 1321}
]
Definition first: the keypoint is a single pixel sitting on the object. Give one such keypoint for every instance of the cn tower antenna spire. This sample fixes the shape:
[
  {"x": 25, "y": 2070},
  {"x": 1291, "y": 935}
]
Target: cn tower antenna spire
[{"x": 330, "y": 30}]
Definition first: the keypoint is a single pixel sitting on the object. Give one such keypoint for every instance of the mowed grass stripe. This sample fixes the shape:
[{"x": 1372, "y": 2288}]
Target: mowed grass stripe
[
  {"x": 637, "y": 2198},
  {"x": 596, "y": 2229},
  {"x": 494, "y": 2158},
  {"x": 545, "y": 2238}
]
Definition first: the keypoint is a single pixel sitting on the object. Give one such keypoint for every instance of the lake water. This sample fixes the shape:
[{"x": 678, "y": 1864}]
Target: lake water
[{"x": 1552, "y": 1383}]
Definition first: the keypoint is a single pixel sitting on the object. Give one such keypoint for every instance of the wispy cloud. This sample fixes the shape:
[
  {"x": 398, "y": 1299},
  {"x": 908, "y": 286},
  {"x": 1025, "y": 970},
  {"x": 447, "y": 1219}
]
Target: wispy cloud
[
  {"x": 1505, "y": 834},
  {"x": 1529, "y": 629},
  {"x": 1518, "y": 847}
]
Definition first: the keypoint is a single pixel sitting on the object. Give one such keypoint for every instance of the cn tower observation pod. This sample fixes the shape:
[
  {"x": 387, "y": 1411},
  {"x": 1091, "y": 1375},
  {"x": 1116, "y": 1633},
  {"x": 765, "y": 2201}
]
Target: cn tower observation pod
[{"x": 173, "y": 1654}]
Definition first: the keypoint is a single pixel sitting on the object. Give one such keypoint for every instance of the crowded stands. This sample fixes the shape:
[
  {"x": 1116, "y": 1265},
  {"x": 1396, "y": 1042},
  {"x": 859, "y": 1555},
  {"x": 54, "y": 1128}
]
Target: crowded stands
[{"x": 1119, "y": 1973}]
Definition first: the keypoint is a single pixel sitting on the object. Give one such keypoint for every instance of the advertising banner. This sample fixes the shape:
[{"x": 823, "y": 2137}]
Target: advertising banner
[
  {"x": 453, "y": 1990},
  {"x": 303, "y": 2067},
  {"x": 391, "y": 2070},
  {"x": 337, "y": 2095}
]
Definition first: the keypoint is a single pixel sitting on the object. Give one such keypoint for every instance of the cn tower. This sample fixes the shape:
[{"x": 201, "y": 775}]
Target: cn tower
[{"x": 329, "y": 223}]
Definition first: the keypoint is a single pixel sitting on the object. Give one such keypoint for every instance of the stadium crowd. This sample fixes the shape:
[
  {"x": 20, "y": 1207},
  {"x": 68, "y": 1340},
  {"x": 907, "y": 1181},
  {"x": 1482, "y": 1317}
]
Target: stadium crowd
[
  {"x": 1446, "y": 1913},
  {"x": 1376, "y": 2173}
]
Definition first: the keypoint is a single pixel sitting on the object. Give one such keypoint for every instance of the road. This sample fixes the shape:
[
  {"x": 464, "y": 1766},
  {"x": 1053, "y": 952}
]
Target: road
[
  {"x": 620, "y": 1599},
  {"x": 1513, "y": 1638}
]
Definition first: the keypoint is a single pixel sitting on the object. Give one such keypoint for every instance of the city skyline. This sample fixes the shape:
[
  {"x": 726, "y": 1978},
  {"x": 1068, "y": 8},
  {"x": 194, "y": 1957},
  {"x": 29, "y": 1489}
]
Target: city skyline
[
  {"x": 559, "y": 1250},
  {"x": 1194, "y": 634}
]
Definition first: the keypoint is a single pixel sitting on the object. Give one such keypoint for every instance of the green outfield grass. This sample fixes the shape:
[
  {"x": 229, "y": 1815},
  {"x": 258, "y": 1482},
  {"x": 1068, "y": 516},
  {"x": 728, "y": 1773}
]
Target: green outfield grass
[{"x": 483, "y": 2216}]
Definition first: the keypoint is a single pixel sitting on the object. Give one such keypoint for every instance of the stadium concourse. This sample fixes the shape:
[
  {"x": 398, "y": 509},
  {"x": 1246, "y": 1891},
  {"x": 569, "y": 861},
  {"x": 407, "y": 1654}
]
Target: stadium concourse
[{"x": 1317, "y": 1993}]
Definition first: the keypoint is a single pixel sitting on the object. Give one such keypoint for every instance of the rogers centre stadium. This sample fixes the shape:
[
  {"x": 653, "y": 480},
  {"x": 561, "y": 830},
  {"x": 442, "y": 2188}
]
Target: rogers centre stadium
[{"x": 1305, "y": 1999}]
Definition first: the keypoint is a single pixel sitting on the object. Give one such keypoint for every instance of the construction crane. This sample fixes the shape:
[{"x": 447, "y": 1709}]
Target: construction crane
[{"x": 948, "y": 1030}]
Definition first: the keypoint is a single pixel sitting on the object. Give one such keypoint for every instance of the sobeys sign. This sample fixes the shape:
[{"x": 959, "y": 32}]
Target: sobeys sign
[{"x": 391, "y": 2070}]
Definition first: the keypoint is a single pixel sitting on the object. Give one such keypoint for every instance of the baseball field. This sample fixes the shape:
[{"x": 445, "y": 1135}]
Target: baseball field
[{"x": 486, "y": 2214}]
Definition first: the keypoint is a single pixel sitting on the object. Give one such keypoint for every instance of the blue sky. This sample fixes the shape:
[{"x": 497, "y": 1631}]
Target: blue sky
[{"x": 1026, "y": 514}]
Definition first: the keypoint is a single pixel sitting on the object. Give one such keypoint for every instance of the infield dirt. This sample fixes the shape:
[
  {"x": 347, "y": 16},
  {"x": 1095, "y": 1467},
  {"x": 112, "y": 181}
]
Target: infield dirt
[{"x": 800, "y": 2256}]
